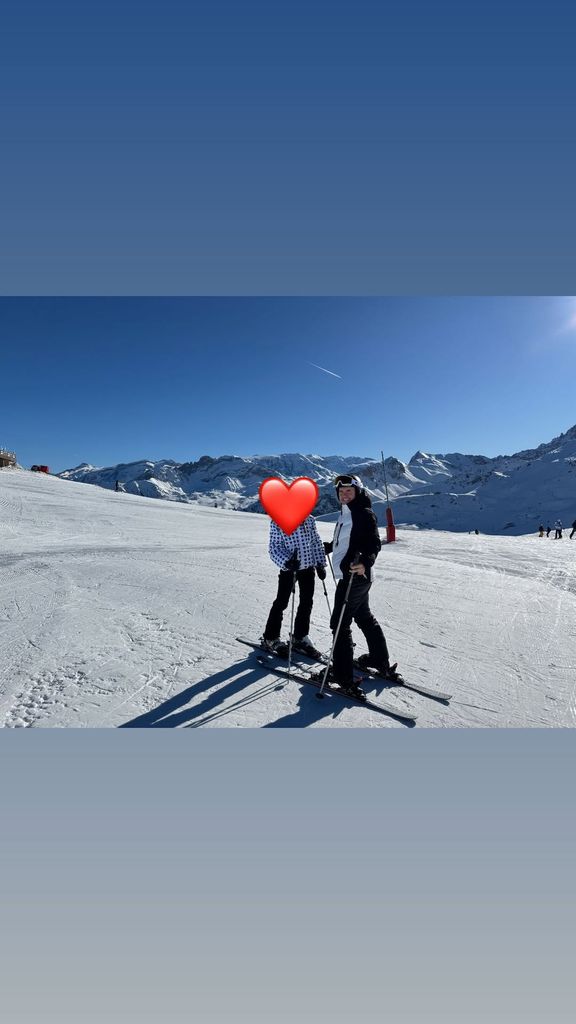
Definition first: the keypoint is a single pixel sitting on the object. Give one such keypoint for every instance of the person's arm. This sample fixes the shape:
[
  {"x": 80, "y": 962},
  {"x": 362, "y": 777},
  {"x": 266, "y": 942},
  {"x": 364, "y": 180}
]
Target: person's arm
[
  {"x": 366, "y": 540},
  {"x": 318, "y": 550},
  {"x": 278, "y": 548}
]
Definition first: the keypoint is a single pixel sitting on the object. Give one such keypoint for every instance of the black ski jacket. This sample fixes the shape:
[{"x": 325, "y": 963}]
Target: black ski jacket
[{"x": 364, "y": 536}]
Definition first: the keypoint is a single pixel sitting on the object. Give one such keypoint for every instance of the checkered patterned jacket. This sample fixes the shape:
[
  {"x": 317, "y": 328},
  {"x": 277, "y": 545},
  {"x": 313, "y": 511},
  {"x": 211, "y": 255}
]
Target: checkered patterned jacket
[{"x": 305, "y": 541}]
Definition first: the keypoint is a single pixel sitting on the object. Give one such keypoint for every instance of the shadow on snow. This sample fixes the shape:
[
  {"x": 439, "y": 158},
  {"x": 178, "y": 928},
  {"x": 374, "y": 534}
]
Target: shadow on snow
[{"x": 232, "y": 682}]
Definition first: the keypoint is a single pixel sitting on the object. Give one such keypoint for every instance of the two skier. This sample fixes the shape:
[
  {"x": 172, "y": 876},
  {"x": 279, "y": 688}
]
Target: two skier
[{"x": 355, "y": 547}]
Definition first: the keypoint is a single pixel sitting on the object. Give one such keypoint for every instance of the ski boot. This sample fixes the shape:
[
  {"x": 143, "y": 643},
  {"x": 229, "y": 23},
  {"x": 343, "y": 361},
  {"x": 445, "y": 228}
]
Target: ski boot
[
  {"x": 304, "y": 646},
  {"x": 385, "y": 670},
  {"x": 276, "y": 646},
  {"x": 350, "y": 689}
]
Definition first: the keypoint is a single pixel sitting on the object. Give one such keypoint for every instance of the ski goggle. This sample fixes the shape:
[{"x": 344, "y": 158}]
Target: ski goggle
[{"x": 347, "y": 481}]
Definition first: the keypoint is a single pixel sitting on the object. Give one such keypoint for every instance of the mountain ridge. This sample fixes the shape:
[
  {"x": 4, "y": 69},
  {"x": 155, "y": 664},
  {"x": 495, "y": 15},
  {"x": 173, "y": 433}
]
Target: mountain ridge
[{"x": 454, "y": 491}]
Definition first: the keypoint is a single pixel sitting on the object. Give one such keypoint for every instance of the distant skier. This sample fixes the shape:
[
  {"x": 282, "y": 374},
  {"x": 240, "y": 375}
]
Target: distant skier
[
  {"x": 300, "y": 553},
  {"x": 117, "y": 488},
  {"x": 573, "y": 529},
  {"x": 477, "y": 532},
  {"x": 540, "y": 530},
  {"x": 356, "y": 532},
  {"x": 558, "y": 528},
  {"x": 548, "y": 528}
]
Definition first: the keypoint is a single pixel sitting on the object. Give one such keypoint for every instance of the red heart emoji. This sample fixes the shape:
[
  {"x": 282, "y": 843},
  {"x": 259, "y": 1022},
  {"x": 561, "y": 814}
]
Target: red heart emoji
[{"x": 288, "y": 505}]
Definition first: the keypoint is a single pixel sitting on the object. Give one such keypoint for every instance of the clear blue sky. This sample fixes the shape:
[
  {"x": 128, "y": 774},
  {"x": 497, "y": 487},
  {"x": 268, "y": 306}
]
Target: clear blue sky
[{"x": 115, "y": 380}]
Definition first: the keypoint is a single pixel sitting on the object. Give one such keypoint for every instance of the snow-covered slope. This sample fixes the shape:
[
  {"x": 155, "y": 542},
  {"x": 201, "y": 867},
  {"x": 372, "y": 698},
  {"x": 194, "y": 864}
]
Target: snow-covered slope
[
  {"x": 509, "y": 494},
  {"x": 119, "y": 610}
]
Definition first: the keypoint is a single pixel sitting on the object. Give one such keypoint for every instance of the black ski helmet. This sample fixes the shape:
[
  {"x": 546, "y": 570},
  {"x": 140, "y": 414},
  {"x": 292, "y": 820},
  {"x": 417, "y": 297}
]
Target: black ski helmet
[{"x": 344, "y": 479}]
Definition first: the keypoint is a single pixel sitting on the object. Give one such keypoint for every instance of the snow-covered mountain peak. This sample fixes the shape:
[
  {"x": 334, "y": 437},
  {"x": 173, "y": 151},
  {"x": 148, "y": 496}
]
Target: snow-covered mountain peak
[{"x": 458, "y": 492}]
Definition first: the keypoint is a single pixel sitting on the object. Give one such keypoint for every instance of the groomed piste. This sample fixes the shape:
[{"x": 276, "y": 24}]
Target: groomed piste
[{"x": 117, "y": 610}]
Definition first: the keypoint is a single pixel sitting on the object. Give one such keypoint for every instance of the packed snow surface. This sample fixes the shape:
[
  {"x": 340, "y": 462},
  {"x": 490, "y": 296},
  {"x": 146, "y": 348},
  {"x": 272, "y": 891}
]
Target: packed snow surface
[{"x": 120, "y": 610}]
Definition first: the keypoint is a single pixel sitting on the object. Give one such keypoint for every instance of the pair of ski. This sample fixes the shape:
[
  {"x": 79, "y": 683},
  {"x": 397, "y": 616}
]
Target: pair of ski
[
  {"x": 372, "y": 673},
  {"x": 267, "y": 659},
  {"x": 394, "y": 679}
]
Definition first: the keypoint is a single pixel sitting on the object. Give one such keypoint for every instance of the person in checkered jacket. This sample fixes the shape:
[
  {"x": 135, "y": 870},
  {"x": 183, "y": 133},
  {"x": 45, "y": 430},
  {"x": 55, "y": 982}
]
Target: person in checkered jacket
[{"x": 299, "y": 554}]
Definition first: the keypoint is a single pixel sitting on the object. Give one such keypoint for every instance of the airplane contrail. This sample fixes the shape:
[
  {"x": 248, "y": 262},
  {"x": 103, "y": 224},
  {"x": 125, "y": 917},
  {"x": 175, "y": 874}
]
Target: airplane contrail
[{"x": 325, "y": 370}]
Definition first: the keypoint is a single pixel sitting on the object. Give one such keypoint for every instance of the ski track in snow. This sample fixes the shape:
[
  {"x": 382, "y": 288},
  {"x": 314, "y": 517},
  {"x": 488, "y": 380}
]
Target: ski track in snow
[{"x": 117, "y": 610}]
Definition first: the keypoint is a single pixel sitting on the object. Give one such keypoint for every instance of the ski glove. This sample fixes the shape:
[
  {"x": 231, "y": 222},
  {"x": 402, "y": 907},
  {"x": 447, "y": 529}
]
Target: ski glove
[
  {"x": 293, "y": 563},
  {"x": 321, "y": 572},
  {"x": 328, "y": 545}
]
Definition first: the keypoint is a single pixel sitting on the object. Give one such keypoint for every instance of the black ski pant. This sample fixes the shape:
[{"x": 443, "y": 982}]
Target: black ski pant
[
  {"x": 306, "y": 578},
  {"x": 357, "y": 610}
]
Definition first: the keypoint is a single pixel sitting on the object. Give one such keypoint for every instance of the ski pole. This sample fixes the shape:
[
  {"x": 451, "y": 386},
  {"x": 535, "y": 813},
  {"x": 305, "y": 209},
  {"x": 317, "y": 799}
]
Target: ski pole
[
  {"x": 329, "y": 560},
  {"x": 320, "y": 694},
  {"x": 291, "y": 622},
  {"x": 326, "y": 596}
]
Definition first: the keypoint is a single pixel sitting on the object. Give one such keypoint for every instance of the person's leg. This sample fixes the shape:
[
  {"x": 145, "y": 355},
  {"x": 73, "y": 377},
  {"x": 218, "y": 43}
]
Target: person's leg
[
  {"x": 274, "y": 623},
  {"x": 306, "y": 580},
  {"x": 365, "y": 620}
]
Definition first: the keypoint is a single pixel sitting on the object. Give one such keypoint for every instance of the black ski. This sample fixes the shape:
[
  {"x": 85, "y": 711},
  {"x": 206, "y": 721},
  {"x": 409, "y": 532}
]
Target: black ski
[
  {"x": 425, "y": 691},
  {"x": 268, "y": 661},
  {"x": 372, "y": 673},
  {"x": 400, "y": 681}
]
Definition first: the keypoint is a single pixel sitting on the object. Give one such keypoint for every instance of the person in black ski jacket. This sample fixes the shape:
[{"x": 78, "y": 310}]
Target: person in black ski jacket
[
  {"x": 573, "y": 529},
  {"x": 355, "y": 534}
]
